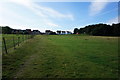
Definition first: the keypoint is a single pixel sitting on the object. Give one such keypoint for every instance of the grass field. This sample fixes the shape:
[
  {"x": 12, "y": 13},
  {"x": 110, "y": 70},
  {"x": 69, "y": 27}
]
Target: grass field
[
  {"x": 63, "y": 56},
  {"x": 9, "y": 40}
]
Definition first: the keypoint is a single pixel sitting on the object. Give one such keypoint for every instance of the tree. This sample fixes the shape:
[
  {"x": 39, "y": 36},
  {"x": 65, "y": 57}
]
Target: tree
[
  {"x": 76, "y": 30},
  {"x": 6, "y": 30},
  {"x": 53, "y": 33},
  {"x": 116, "y": 29},
  {"x": 100, "y": 30},
  {"x": 58, "y": 32}
]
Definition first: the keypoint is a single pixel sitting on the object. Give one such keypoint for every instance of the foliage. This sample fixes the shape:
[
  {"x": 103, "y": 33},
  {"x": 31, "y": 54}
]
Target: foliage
[
  {"x": 6, "y": 30},
  {"x": 100, "y": 30},
  {"x": 53, "y": 33},
  {"x": 76, "y": 30},
  {"x": 59, "y": 32}
]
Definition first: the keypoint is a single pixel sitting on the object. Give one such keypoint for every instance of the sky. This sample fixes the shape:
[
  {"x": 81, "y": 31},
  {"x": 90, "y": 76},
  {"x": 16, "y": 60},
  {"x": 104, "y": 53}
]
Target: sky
[{"x": 26, "y": 14}]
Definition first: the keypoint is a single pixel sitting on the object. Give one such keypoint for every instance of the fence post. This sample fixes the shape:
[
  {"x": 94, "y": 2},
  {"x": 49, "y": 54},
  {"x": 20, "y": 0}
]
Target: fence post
[
  {"x": 23, "y": 38},
  {"x": 31, "y": 35},
  {"x": 26, "y": 36},
  {"x": 13, "y": 42},
  {"x": 5, "y": 45},
  {"x": 18, "y": 40}
]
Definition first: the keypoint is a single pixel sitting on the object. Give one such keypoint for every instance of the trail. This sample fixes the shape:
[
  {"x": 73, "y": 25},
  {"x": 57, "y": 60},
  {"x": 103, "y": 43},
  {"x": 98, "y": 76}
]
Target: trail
[
  {"x": 44, "y": 62},
  {"x": 57, "y": 56}
]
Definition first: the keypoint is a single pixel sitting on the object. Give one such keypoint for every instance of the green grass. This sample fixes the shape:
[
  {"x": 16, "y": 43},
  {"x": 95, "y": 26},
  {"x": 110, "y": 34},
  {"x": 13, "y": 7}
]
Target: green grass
[
  {"x": 63, "y": 56},
  {"x": 9, "y": 40}
]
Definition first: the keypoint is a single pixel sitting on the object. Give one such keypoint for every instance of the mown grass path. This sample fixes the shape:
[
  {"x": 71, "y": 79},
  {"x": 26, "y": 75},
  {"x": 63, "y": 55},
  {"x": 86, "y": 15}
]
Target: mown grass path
[{"x": 63, "y": 56}]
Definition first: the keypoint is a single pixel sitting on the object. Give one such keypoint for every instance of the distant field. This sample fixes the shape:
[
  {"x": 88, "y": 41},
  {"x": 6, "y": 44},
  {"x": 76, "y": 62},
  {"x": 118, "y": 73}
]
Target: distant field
[{"x": 63, "y": 56}]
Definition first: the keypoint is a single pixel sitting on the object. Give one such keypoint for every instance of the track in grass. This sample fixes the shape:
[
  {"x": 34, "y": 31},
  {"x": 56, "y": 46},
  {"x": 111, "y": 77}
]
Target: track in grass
[{"x": 63, "y": 56}]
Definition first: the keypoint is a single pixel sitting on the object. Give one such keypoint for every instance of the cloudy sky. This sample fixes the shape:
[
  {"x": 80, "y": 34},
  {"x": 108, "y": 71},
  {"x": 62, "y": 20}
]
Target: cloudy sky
[{"x": 24, "y": 14}]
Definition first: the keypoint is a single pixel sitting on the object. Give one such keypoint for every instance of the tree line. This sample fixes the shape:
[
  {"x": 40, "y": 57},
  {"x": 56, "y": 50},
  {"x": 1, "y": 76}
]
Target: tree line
[
  {"x": 95, "y": 30},
  {"x": 5, "y": 30},
  {"x": 8, "y": 30},
  {"x": 100, "y": 30}
]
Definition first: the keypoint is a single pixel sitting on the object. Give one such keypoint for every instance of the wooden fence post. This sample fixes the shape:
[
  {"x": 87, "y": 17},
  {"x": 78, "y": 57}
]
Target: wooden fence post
[
  {"x": 5, "y": 45},
  {"x": 18, "y": 40},
  {"x": 26, "y": 36},
  {"x": 13, "y": 42},
  {"x": 23, "y": 38}
]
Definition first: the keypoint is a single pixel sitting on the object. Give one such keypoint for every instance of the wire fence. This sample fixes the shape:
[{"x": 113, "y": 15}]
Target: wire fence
[{"x": 12, "y": 41}]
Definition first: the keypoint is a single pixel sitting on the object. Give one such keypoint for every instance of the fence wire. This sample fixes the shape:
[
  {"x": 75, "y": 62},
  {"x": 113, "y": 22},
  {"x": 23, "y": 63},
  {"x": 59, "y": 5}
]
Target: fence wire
[{"x": 13, "y": 40}]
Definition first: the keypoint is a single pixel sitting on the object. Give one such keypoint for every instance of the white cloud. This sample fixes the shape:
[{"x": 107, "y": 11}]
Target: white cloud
[
  {"x": 6, "y": 14},
  {"x": 114, "y": 20},
  {"x": 23, "y": 27},
  {"x": 16, "y": 26},
  {"x": 44, "y": 14},
  {"x": 49, "y": 12},
  {"x": 43, "y": 11},
  {"x": 53, "y": 25},
  {"x": 97, "y": 6}
]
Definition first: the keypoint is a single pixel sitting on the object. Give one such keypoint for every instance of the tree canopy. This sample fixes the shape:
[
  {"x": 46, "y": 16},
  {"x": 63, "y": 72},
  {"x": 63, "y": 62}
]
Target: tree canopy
[
  {"x": 6, "y": 30},
  {"x": 100, "y": 30}
]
